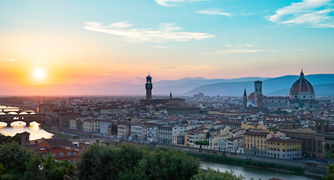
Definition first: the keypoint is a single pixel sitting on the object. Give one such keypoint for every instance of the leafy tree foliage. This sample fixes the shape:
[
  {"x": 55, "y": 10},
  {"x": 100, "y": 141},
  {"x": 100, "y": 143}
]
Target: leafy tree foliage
[
  {"x": 9, "y": 139},
  {"x": 20, "y": 163},
  {"x": 207, "y": 135},
  {"x": 14, "y": 157},
  {"x": 217, "y": 175},
  {"x": 170, "y": 164},
  {"x": 107, "y": 162},
  {"x": 330, "y": 169},
  {"x": 131, "y": 162}
]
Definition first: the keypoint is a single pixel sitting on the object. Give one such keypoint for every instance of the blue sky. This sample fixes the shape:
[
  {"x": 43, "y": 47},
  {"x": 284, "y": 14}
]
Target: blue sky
[{"x": 121, "y": 40}]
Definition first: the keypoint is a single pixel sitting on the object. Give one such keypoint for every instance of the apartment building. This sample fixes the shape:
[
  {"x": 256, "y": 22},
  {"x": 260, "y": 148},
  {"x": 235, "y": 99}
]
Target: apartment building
[
  {"x": 284, "y": 148},
  {"x": 255, "y": 143}
]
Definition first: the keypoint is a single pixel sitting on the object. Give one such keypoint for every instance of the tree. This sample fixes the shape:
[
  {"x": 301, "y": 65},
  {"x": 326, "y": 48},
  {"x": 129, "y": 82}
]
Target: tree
[
  {"x": 107, "y": 162},
  {"x": 217, "y": 175},
  {"x": 14, "y": 157},
  {"x": 170, "y": 164},
  {"x": 128, "y": 161},
  {"x": 208, "y": 135},
  {"x": 330, "y": 169}
]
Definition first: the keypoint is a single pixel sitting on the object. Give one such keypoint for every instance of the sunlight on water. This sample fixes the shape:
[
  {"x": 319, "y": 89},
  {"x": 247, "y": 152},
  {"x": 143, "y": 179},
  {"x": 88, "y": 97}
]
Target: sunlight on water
[{"x": 19, "y": 126}]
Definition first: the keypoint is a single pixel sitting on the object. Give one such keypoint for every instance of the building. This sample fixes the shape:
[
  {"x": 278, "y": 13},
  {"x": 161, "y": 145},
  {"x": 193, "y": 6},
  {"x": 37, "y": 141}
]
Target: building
[
  {"x": 302, "y": 93},
  {"x": 136, "y": 131},
  {"x": 104, "y": 124},
  {"x": 178, "y": 135},
  {"x": 60, "y": 149},
  {"x": 316, "y": 143},
  {"x": 64, "y": 118},
  {"x": 165, "y": 134},
  {"x": 76, "y": 124},
  {"x": 124, "y": 130},
  {"x": 149, "y": 101},
  {"x": 152, "y": 132},
  {"x": 284, "y": 148},
  {"x": 255, "y": 143},
  {"x": 258, "y": 96},
  {"x": 234, "y": 144},
  {"x": 90, "y": 125}
]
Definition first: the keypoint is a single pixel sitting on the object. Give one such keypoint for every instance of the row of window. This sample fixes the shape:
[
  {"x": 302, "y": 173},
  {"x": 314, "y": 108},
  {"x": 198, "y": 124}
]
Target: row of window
[
  {"x": 258, "y": 141},
  {"x": 253, "y": 136},
  {"x": 62, "y": 154}
]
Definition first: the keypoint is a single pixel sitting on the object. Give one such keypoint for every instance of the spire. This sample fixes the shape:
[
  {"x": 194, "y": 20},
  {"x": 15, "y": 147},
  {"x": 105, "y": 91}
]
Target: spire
[
  {"x": 170, "y": 95},
  {"x": 245, "y": 93},
  {"x": 302, "y": 73}
]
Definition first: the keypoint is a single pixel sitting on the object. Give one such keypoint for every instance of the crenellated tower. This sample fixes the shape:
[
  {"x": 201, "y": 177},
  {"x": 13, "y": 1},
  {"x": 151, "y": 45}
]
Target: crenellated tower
[{"x": 148, "y": 87}]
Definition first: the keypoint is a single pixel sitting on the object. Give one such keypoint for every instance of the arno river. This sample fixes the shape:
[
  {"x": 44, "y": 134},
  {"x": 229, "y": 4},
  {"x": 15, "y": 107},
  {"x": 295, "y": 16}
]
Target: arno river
[
  {"x": 19, "y": 126},
  {"x": 257, "y": 173}
]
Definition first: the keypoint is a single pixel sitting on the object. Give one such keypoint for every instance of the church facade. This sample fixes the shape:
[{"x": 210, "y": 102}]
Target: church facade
[{"x": 301, "y": 95}]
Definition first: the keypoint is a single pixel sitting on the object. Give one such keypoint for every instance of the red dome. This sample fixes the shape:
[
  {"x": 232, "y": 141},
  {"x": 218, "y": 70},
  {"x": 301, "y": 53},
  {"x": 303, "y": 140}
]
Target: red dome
[
  {"x": 301, "y": 85},
  {"x": 251, "y": 96}
]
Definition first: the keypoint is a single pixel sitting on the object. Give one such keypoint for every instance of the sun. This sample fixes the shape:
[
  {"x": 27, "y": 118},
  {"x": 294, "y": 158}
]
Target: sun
[{"x": 39, "y": 73}]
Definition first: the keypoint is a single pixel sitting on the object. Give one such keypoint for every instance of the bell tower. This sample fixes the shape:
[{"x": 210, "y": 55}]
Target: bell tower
[
  {"x": 148, "y": 87},
  {"x": 245, "y": 99},
  {"x": 258, "y": 94}
]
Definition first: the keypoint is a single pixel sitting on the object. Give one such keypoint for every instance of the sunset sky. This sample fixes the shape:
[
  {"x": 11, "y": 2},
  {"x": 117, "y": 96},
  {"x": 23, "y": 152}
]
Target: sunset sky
[{"x": 85, "y": 41}]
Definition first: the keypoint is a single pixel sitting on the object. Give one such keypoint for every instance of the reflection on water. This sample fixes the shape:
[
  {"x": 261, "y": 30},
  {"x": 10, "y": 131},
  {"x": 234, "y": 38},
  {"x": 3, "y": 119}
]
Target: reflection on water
[
  {"x": 257, "y": 173},
  {"x": 19, "y": 126}
]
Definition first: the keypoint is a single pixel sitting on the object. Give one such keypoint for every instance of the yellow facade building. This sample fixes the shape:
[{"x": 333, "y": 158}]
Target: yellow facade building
[{"x": 284, "y": 148}]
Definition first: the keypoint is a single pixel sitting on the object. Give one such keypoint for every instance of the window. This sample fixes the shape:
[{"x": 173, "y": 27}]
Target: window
[
  {"x": 69, "y": 153},
  {"x": 53, "y": 154},
  {"x": 61, "y": 154}
]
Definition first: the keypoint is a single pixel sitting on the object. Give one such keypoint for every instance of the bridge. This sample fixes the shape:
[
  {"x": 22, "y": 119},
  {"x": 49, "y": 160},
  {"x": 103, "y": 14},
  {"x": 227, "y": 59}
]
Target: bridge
[{"x": 10, "y": 116}]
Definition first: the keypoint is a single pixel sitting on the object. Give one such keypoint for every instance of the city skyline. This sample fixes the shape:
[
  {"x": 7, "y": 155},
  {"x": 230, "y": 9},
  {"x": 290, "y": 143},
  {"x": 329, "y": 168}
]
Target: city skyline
[{"x": 91, "y": 42}]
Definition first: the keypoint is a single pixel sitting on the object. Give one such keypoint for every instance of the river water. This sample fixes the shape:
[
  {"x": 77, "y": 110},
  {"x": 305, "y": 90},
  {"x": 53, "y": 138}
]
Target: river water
[
  {"x": 257, "y": 173},
  {"x": 19, "y": 126}
]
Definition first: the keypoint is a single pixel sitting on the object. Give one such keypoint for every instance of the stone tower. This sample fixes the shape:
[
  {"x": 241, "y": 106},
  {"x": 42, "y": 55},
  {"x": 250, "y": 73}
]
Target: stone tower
[
  {"x": 148, "y": 87},
  {"x": 258, "y": 97},
  {"x": 245, "y": 99},
  {"x": 170, "y": 95}
]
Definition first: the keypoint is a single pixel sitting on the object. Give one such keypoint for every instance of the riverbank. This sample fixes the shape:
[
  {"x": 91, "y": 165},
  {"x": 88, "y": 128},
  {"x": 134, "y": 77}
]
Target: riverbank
[
  {"x": 248, "y": 162},
  {"x": 58, "y": 134},
  {"x": 257, "y": 173}
]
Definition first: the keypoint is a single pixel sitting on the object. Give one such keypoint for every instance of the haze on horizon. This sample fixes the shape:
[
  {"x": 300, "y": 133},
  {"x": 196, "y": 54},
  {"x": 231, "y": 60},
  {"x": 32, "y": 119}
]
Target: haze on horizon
[{"x": 87, "y": 42}]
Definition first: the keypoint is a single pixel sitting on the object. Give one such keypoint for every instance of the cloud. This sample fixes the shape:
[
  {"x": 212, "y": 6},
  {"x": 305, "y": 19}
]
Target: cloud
[
  {"x": 233, "y": 51},
  {"x": 165, "y": 32},
  {"x": 171, "y": 3},
  {"x": 314, "y": 13},
  {"x": 160, "y": 47},
  {"x": 168, "y": 68},
  {"x": 3, "y": 66},
  {"x": 12, "y": 60},
  {"x": 120, "y": 25},
  {"x": 213, "y": 12}
]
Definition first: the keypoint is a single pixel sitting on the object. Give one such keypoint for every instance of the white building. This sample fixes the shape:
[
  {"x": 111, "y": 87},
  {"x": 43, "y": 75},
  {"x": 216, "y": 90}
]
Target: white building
[{"x": 178, "y": 134}]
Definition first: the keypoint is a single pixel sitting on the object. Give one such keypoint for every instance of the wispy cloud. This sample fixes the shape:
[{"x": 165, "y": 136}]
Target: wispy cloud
[
  {"x": 160, "y": 47},
  {"x": 314, "y": 13},
  {"x": 233, "y": 51},
  {"x": 165, "y": 32},
  {"x": 213, "y": 12},
  {"x": 171, "y": 3}
]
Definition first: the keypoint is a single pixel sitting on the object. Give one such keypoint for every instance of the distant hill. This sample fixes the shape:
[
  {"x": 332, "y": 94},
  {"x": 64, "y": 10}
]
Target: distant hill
[
  {"x": 186, "y": 86},
  {"x": 320, "y": 90},
  {"x": 269, "y": 85}
]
